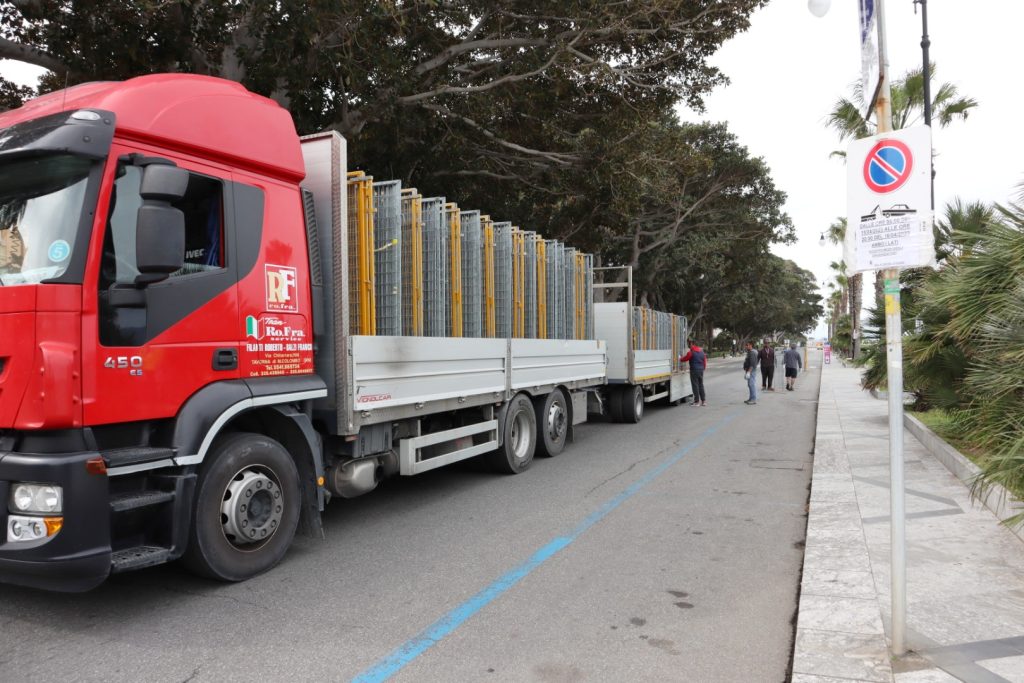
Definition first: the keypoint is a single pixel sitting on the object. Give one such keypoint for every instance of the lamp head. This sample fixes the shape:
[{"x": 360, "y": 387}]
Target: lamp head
[{"x": 819, "y": 8}]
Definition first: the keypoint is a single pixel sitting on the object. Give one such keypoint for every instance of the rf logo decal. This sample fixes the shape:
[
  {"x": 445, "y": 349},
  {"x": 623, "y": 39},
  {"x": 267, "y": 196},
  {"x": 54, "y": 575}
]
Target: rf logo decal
[{"x": 281, "y": 289}]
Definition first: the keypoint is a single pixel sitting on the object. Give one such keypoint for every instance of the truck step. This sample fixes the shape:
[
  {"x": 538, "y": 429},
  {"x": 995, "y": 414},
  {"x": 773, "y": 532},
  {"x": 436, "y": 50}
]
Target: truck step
[
  {"x": 139, "y": 499},
  {"x": 137, "y": 558},
  {"x": 120, "y": 457}
]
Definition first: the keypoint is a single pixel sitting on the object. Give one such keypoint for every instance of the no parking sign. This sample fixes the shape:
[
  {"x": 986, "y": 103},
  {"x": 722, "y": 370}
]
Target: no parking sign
[{"x": 889, "y": 222}]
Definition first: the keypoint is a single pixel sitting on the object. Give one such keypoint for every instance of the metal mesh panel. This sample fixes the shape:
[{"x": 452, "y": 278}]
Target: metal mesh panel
[
  {"x": 542, "y": 288},
  {"x": 362, "y": 309},
  {"x": 487, "y": 266},
  {"x": 530, "y": 282},
  {"x": 589, "y": 284},
  {"x": 518, "y": 283},
  {"x": 435, "y": 268},
  {"x": 387, "y": 233},
  {"x": 412, "y": 263},
  {"x": 472, "y": 275},
  {"x": 555, "y": 285},
  {"x": 453, "y": 226},
  {"x": 569, "y": 292},
  {"x": 639, "y": 328},
  {"x": 503, "y": 279}
]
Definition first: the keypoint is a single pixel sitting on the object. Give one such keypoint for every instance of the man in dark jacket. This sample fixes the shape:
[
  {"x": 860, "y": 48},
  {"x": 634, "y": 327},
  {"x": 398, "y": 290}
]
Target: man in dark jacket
[
  {"x": 749, "y": 372},
  {"x": 766, "y": 356},
  {"x": 793, "y": 365},
  {"x": 698, "y": 361}
]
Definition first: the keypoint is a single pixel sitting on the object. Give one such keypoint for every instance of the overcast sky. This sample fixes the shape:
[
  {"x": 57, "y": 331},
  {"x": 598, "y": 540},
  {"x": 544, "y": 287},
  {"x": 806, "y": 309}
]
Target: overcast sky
[{"x": 790, "y": 67}]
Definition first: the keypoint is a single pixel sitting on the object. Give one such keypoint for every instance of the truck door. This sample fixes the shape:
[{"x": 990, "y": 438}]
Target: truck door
[{"x": 153, "y": 354}]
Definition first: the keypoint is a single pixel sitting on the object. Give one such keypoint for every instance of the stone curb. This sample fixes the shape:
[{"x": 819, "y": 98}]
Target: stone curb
[{"x": 997, "y": 499}]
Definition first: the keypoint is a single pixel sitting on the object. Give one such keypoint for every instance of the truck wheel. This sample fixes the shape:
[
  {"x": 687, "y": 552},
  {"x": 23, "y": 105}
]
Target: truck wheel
[
  {"x": 552, "y": 423},
  {"x": 519, "y": 440},
  {"x": 246, "y": 508},
  {"x": 612, "y": 404},
  {"x": 632, "y": 404}
]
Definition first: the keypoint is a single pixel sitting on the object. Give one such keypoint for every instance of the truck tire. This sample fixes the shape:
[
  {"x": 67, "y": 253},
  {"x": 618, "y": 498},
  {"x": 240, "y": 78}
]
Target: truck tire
[
  {"x": 246, "y": 509},
  {"x": 631, "y": 404},
  {"x": 613, "y": 406},
  {"x": 552, "y": 423},
  {"x": 519, "y": 439}
]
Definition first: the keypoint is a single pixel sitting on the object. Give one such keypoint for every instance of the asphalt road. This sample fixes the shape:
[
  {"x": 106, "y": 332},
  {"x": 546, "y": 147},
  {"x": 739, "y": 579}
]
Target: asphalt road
[{"x": 664, "y": 551}]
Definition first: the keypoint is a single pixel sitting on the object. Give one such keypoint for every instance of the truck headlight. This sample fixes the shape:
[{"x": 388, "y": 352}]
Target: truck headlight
[
  {"x": 36, "y": 498},
  {"x": 21, "y": 528}
]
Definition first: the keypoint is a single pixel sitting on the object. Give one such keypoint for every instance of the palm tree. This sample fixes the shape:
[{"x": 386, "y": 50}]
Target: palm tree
[
  {"x": 907, "y": 96},
  {"x": 855, "y": 284}
]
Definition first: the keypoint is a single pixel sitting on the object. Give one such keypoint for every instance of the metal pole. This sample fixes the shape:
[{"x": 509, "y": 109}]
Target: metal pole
[
  {"x": 926, "y": 73},
  {"x": 894, "y": 367}
]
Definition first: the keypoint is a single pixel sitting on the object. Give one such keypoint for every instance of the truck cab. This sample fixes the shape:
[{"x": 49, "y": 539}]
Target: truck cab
[{"x": 151, "y": 232}]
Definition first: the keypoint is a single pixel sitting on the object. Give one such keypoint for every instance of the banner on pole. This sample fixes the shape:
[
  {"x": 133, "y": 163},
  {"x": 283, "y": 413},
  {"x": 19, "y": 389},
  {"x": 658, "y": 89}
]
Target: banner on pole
[
  {"x": 870, "y": 64},
  {"x": 889, "y": 216}
]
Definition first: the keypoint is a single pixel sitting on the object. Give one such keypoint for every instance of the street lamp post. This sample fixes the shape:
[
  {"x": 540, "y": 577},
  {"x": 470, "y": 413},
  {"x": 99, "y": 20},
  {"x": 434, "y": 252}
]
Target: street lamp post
[
  {"x": 926, "y": 75},
  {"x": 894, "y": 369}
]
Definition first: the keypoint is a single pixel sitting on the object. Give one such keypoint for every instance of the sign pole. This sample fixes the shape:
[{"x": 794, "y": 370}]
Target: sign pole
[{"x": 894, "y": 368}]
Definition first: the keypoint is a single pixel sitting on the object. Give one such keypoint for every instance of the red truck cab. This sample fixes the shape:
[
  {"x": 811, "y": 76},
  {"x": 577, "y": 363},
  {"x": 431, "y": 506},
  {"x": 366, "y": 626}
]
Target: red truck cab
[{"x": 154, "y": 287}]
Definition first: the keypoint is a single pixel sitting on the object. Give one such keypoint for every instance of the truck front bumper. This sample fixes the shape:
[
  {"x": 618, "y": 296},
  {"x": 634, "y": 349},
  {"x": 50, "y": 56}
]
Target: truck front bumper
[{"x": 77, "y": 557}]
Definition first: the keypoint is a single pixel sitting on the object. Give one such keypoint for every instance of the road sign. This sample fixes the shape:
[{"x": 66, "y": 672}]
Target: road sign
[
  {"x": 889, "y": 219},
  {"x": 887, "y": 166}
]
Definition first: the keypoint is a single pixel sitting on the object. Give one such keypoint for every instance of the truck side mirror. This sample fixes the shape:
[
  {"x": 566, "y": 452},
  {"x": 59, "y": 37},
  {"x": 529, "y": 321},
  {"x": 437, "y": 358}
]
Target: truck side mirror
[{"x": 160, "y": 227}]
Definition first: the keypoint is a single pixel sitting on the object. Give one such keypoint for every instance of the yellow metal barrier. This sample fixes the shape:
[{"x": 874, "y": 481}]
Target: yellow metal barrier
[
  {"x": 362, "y": 301},
  {"x": 490, "y": 316},
  {"x": 542, "y": 288},
  {"x": 454, "y": 219},
  {"x": 518, "y": 283}
]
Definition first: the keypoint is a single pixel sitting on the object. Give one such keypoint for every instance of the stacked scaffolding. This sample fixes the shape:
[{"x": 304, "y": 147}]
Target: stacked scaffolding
[
  {"x": 420, "y": 266},
  {"x": 654, "y": 329},
  {"x": 387, "y": 231},
  {"x": 503, "y": 279},
  {"x": 412, "y": 263},
  {"x": 680, "y": 332},
  {"x": 472, "y": 275},
  {"x": 362, "y": 306},
  {"x": 435, "y": 268}
]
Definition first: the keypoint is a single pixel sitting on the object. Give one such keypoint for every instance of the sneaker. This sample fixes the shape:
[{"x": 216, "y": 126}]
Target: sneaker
[
  {"x": 750, "y": 403},
  {"x": 696, "y": 405},
  {"x": 703, "y": 404}
]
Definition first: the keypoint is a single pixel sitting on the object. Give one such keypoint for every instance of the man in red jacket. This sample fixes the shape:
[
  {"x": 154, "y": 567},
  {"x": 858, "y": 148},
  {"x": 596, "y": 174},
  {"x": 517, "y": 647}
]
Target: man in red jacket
[{"x": 698, "y": 361}]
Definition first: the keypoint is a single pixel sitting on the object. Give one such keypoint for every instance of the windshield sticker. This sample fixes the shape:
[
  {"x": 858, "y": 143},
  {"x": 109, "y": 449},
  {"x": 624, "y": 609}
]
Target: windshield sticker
[{"x": 59, "y": 251}]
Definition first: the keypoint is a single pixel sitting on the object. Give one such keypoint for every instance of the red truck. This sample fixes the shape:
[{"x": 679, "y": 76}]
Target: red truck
[{"x": 181, "y": 373}]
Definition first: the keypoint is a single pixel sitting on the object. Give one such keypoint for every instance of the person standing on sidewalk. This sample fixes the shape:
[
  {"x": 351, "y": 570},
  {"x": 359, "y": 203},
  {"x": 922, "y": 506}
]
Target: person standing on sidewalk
[
  {"x": 749, "y": 373},
  {"x": 766, "y": 356},
  {"x": 698, "y": 361},
  {"x": 793, "y": 365}
]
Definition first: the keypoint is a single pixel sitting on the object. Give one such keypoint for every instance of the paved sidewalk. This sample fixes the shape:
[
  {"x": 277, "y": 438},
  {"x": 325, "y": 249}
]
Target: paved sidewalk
[{"x": 965, "y": 573}]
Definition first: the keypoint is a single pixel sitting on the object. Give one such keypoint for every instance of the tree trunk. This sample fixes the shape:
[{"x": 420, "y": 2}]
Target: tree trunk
[{"x": 856, "y": 297}]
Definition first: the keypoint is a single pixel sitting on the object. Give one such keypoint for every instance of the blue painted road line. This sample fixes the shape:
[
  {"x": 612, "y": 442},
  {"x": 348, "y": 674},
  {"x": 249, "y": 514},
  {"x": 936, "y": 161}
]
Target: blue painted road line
[{"x": 433, "y": 634}]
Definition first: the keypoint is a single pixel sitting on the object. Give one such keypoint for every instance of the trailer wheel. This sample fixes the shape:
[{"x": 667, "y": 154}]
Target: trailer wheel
[
  {"x": 631, "y": 404},
  {"x": 519, "y": 438},
  {"x": 613, "y": 407},
  {"x": 246, "y": 508},
  {"x": 552, "y": 423}
]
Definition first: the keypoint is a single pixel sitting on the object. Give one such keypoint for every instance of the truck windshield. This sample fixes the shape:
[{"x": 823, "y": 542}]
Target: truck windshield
[{"x": 41, "y": 202}]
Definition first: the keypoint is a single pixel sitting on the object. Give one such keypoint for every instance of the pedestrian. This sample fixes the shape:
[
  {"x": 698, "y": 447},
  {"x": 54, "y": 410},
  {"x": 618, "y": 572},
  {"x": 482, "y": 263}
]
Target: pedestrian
[
  {"x": 766, "y": 356},
  {"x": 749, "y": 370},
  {"x": 698, "y": 361},
  {"x": 793, "y": 364}
]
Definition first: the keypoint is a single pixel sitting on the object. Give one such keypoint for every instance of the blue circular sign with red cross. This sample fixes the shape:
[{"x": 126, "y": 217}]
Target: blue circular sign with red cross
[{"x": 888, "y": 166}]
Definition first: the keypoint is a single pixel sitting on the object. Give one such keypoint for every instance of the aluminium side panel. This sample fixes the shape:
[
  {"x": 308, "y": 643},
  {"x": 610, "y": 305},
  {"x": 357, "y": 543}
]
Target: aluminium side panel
[
  {"x": 541, "y": 363},
  {"x": 612, "y": 324},
  {"x": 326, "y": 164}
]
